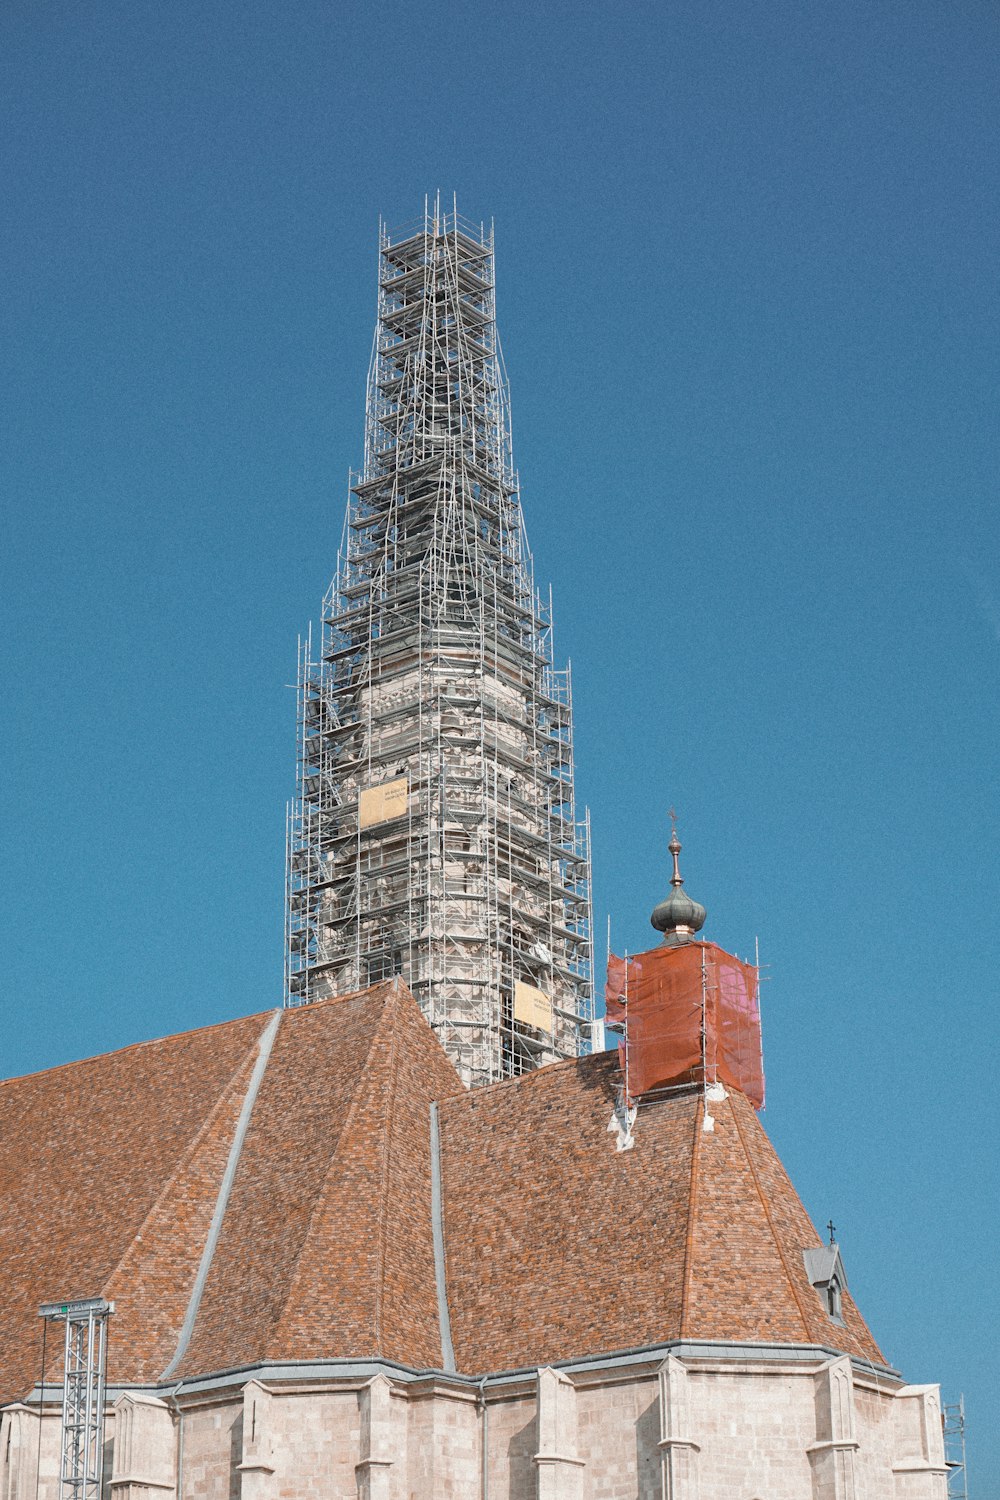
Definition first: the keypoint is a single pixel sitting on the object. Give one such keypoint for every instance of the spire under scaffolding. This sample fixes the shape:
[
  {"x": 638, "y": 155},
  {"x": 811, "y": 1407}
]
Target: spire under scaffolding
[{"x": 434, "y": 832}]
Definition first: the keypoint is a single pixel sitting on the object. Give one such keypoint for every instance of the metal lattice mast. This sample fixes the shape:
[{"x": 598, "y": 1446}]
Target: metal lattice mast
[
  {"x": 434, "y": 832},
  {"x": 84, "y": 1375},
  {"x": 953, "y": 1425}
]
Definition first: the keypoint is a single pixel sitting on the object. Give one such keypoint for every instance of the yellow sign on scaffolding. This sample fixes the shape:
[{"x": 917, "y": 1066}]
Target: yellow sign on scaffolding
[
  {"x": 532, "y": 1006},
  {"x": 380, "y": 804}
]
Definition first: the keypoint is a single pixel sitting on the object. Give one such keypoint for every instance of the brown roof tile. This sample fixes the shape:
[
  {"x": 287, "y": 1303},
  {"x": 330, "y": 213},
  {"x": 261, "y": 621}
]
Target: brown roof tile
[
  {"x": 326, "y": 1248},
  {"x": 86, "y": 1153},
  {"x": 793, "y": 1231},
  {"x": 557, "y": 1246}
]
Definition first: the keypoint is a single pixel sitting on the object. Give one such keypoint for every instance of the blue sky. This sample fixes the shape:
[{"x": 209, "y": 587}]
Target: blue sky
[{"x": 747, "y": 266}]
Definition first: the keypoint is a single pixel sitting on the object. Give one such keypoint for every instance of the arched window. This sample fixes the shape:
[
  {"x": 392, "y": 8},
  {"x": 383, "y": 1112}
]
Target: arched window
[
  {"x": 825, "y": 1270},
  {"x": 833, "y": 1301}
]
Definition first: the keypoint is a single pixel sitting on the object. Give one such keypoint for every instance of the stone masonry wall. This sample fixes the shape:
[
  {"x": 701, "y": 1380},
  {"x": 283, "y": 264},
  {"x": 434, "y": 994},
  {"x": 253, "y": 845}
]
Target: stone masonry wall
[{"x": 688, "y": 1429}]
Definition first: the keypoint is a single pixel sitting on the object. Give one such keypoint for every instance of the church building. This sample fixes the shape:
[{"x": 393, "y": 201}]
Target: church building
[{"x": 414, "y": 1235}]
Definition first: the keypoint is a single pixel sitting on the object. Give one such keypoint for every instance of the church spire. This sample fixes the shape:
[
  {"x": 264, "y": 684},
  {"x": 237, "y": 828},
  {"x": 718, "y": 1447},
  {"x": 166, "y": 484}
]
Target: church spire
[{"x": 434, "y": 831}]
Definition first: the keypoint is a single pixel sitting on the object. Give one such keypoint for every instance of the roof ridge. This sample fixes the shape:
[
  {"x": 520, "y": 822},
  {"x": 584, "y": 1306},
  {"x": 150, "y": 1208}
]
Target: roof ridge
[
  {"x": 847, "y": 1329},
  {"x": 387, "y": 989},
  {"x": 363, "y": 990},
  {"x": 191, "y": 1150},
  {"x": 523, "y": 1080},
  {"x": 153, "y": 1041},
  {"x": 392, "y": 1007},
  {"x": 692, "y": 1195},
  {"x": 770, "y": 1222}
]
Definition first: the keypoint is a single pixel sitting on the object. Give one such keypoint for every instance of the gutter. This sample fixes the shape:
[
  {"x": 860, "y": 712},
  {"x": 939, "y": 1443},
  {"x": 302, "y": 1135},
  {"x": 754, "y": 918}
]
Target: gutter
[{"x": 362, "y": 1370}]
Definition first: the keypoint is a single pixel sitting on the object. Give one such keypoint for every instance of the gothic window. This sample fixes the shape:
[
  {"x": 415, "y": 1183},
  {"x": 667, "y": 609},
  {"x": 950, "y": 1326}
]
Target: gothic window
[{"x": 833, "y": 1302}]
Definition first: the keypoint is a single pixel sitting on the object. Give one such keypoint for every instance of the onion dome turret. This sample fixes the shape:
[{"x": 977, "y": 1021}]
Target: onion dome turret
[{"x": 678, "y": 917}]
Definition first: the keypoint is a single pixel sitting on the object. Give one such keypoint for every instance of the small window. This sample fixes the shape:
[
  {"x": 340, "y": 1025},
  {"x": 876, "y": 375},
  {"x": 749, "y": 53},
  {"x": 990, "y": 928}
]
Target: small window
[
  {"x": 833, "y": 1305},
  {"x": 825, "y": 1270}
]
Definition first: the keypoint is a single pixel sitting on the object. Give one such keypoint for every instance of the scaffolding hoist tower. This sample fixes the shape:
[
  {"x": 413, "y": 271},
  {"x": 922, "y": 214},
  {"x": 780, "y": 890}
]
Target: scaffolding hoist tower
[
  {"x": 81, "y": 1464},
  {"x": 434, "y": 833},
  {"x": 953, "y": 1426}
]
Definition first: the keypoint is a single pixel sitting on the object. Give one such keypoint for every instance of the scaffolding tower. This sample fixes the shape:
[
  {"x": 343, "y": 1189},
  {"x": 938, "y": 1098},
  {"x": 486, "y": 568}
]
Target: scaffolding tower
[
  {"x": 81, "y": 1463},
  {"x": 953, "y": 1423},
  {"x": 434, "y": 832}
]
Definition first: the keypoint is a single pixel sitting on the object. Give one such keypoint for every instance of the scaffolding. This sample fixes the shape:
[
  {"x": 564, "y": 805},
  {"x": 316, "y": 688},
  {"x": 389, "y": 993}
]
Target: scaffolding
[
  {"x": 433, "y": 832},
  {"x": 953, "y": 1424},
  {"x": 81, "y": 1464}
]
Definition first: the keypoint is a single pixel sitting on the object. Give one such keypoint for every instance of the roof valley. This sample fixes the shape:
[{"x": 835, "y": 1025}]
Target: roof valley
[
  {"x": 265, "y": 1044},
  {"x": 245, "y": 1067},
  {"x": 191, "y": 1190}
]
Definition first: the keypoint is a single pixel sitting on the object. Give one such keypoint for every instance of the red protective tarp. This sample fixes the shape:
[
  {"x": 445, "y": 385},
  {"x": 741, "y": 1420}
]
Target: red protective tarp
[
  {"x": 614, "y": 990},
  {"x": 690, "y": 1014}
]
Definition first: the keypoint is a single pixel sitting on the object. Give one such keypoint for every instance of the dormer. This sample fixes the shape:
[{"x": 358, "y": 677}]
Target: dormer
[{"x": 825, "y": 1270}]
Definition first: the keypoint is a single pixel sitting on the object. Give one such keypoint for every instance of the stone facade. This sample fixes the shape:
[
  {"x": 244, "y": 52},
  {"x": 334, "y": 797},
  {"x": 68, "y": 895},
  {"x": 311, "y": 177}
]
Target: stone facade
[{"x": 690, "y": 1424}]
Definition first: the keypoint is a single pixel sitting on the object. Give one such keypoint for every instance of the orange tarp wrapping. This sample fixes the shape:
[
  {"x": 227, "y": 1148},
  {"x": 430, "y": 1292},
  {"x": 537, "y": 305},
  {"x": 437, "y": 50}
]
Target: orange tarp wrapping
[
  {"x": 666, "y": 998},
  {"x": 614, "y": 990}
]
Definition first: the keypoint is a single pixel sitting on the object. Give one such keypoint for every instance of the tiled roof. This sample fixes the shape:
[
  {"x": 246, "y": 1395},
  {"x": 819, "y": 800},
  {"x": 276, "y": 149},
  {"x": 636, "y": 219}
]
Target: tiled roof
[
  {"x": 326, "y": 1247},
  {"x": 557, "y": 1246},
  {"x": 108, "y": 1174}
]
